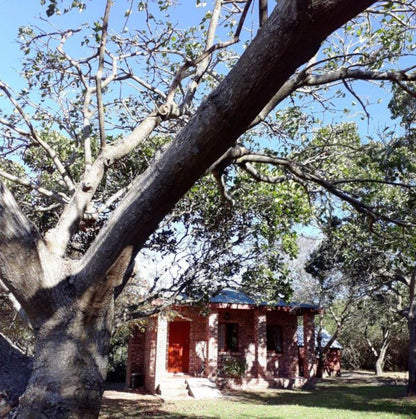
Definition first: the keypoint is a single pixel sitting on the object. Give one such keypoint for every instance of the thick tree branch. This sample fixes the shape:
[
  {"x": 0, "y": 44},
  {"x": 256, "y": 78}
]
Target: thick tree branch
[
  {"x": 261, "y": 177},
  {"x": 264, "y": 67},
  {"x": 351, "y": 73},
  {"x": 306, "y": 78},
  {"x": 19, "y": 253},
  {"x": 58, "y": 238}
]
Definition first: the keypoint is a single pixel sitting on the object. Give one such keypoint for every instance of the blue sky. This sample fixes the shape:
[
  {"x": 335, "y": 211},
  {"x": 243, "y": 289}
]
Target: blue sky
[
  {"x": 12, "y": 17},
  {"x": 17, "y": 13}
]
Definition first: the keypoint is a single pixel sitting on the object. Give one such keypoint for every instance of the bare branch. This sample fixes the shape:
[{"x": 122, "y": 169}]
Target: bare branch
[
  {"x": 357, "y": 97},
  {"x": 262, "y": 12},
  {"x": 261, "y": 177},
  {"x": 288, "y": 88},
  {"x": 203, "y": 65},
  {"x": 350, "y": 73},
  {"x": 51, "y": 152},
  {"x": 59, "y": 197},
  {"x": 203, "y": 59},
  {"x": 99, "y": 74},
  {"x": 306, "y": 78},
  {"x": 110, "y": 201}
]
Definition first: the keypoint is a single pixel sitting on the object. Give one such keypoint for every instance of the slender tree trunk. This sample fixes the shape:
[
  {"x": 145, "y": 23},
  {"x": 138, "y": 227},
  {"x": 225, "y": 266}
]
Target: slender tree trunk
[
  {"x": 381, "y": 357},
  {"x": 320, "y": 365},
  {"x": 411, "y": 388},
  {"x": 411, "y": 323},
  {"x": 69, "y": 367}
]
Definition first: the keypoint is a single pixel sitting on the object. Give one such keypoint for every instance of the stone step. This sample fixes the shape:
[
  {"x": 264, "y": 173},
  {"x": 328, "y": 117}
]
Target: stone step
[
  {"x": 173, "y": 388},
  {"x": 203, "y": 388}
]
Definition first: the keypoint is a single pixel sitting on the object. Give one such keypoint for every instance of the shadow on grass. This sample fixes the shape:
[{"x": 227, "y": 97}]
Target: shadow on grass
[
  {"x": 116, "y": 408},
  {"x": 351, "y": 397},
  {"x": 359, "y": 399}
]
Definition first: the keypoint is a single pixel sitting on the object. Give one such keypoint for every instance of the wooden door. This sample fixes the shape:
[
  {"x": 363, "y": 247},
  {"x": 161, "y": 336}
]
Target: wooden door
[{"x": 178, "y": 352}]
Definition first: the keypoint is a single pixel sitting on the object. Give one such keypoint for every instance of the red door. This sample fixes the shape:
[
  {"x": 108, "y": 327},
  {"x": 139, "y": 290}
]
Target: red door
[{"x": 178, "y": 352}]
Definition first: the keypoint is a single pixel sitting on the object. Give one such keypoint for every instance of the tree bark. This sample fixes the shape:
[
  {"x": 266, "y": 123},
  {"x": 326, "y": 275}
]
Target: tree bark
[
  {"x": 69, "y": 367},
  {"x": 15, "y": 369},
  {"x": 290, "y": 37},
  {"x": 320, "y": 365}
]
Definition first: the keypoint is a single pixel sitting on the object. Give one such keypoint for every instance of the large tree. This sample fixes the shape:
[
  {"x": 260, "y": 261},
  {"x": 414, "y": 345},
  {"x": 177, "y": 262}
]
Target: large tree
[{"x": 68, "y": 300}]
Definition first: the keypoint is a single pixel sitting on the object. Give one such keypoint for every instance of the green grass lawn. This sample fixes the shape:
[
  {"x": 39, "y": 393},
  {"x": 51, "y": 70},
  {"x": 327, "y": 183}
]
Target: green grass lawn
[{"x": 330, "y": 399}]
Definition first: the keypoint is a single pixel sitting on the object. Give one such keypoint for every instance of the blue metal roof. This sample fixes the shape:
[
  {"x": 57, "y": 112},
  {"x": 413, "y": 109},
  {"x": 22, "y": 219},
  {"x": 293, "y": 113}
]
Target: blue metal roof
[
  {"x": 325, "y": 338},
  {"x": 234, "y": 296},
  {"x": 231, "y": 296}
]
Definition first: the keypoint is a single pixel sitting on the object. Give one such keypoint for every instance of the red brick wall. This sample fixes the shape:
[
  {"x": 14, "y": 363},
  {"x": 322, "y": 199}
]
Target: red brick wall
[
  {"x": 135, "y": 354},
  {"x": 284, "y": 364},
  {"x": 333, "y": 362},
  {"x": 309, "y": 368}
]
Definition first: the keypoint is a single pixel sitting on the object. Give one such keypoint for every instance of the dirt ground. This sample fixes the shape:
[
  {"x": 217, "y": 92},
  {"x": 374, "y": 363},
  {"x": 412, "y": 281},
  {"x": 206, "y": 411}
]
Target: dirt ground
[{"x": 369, "y": 377}]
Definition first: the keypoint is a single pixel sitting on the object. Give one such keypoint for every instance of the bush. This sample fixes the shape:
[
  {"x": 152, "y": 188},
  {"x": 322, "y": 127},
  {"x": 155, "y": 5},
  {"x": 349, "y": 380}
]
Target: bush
[
  {"x": 117, "y": 358},
  {"x": 235, "y": 367}
]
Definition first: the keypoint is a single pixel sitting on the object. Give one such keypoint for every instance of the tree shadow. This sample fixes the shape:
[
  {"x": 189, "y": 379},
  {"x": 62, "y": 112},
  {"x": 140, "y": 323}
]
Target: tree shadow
[
  {"x": 353, "y": 397},
  {"x": 359, "y": 398}
]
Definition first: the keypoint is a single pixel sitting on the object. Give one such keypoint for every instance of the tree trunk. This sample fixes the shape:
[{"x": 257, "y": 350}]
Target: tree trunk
[
  {"x": 320, "y": 366},
  {"x": 69, "y": 367},
  {"x": 411, "y": 388},
  {"x": 381, "y": 357},
  {"x": 411, "y": 323}
]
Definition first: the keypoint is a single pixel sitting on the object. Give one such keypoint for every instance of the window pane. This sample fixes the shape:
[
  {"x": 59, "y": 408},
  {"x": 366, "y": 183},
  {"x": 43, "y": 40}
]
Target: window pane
[
  {"x": 278, "y": 343},
  {"x": 274, "y": 338},
  {"x": 232, "y": 337},
  {"x": 228, "y": 337},
  {"x": 270, "y": 338},
  {"x": 221, "y": 337}
]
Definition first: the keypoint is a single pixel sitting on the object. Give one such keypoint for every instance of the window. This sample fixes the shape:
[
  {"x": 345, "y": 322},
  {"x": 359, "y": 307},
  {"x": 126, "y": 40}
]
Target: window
[
  {"x": 228, "y": 337},
  {"x": 274, "y": 338}
]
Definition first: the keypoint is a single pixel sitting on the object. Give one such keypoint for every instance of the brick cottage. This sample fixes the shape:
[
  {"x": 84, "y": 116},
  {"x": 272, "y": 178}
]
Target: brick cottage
[{"x": 232, "y": 339}]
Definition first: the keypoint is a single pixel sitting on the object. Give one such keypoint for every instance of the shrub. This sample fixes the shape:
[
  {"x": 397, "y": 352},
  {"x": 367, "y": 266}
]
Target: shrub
[{"x": 235, "y": 367}]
